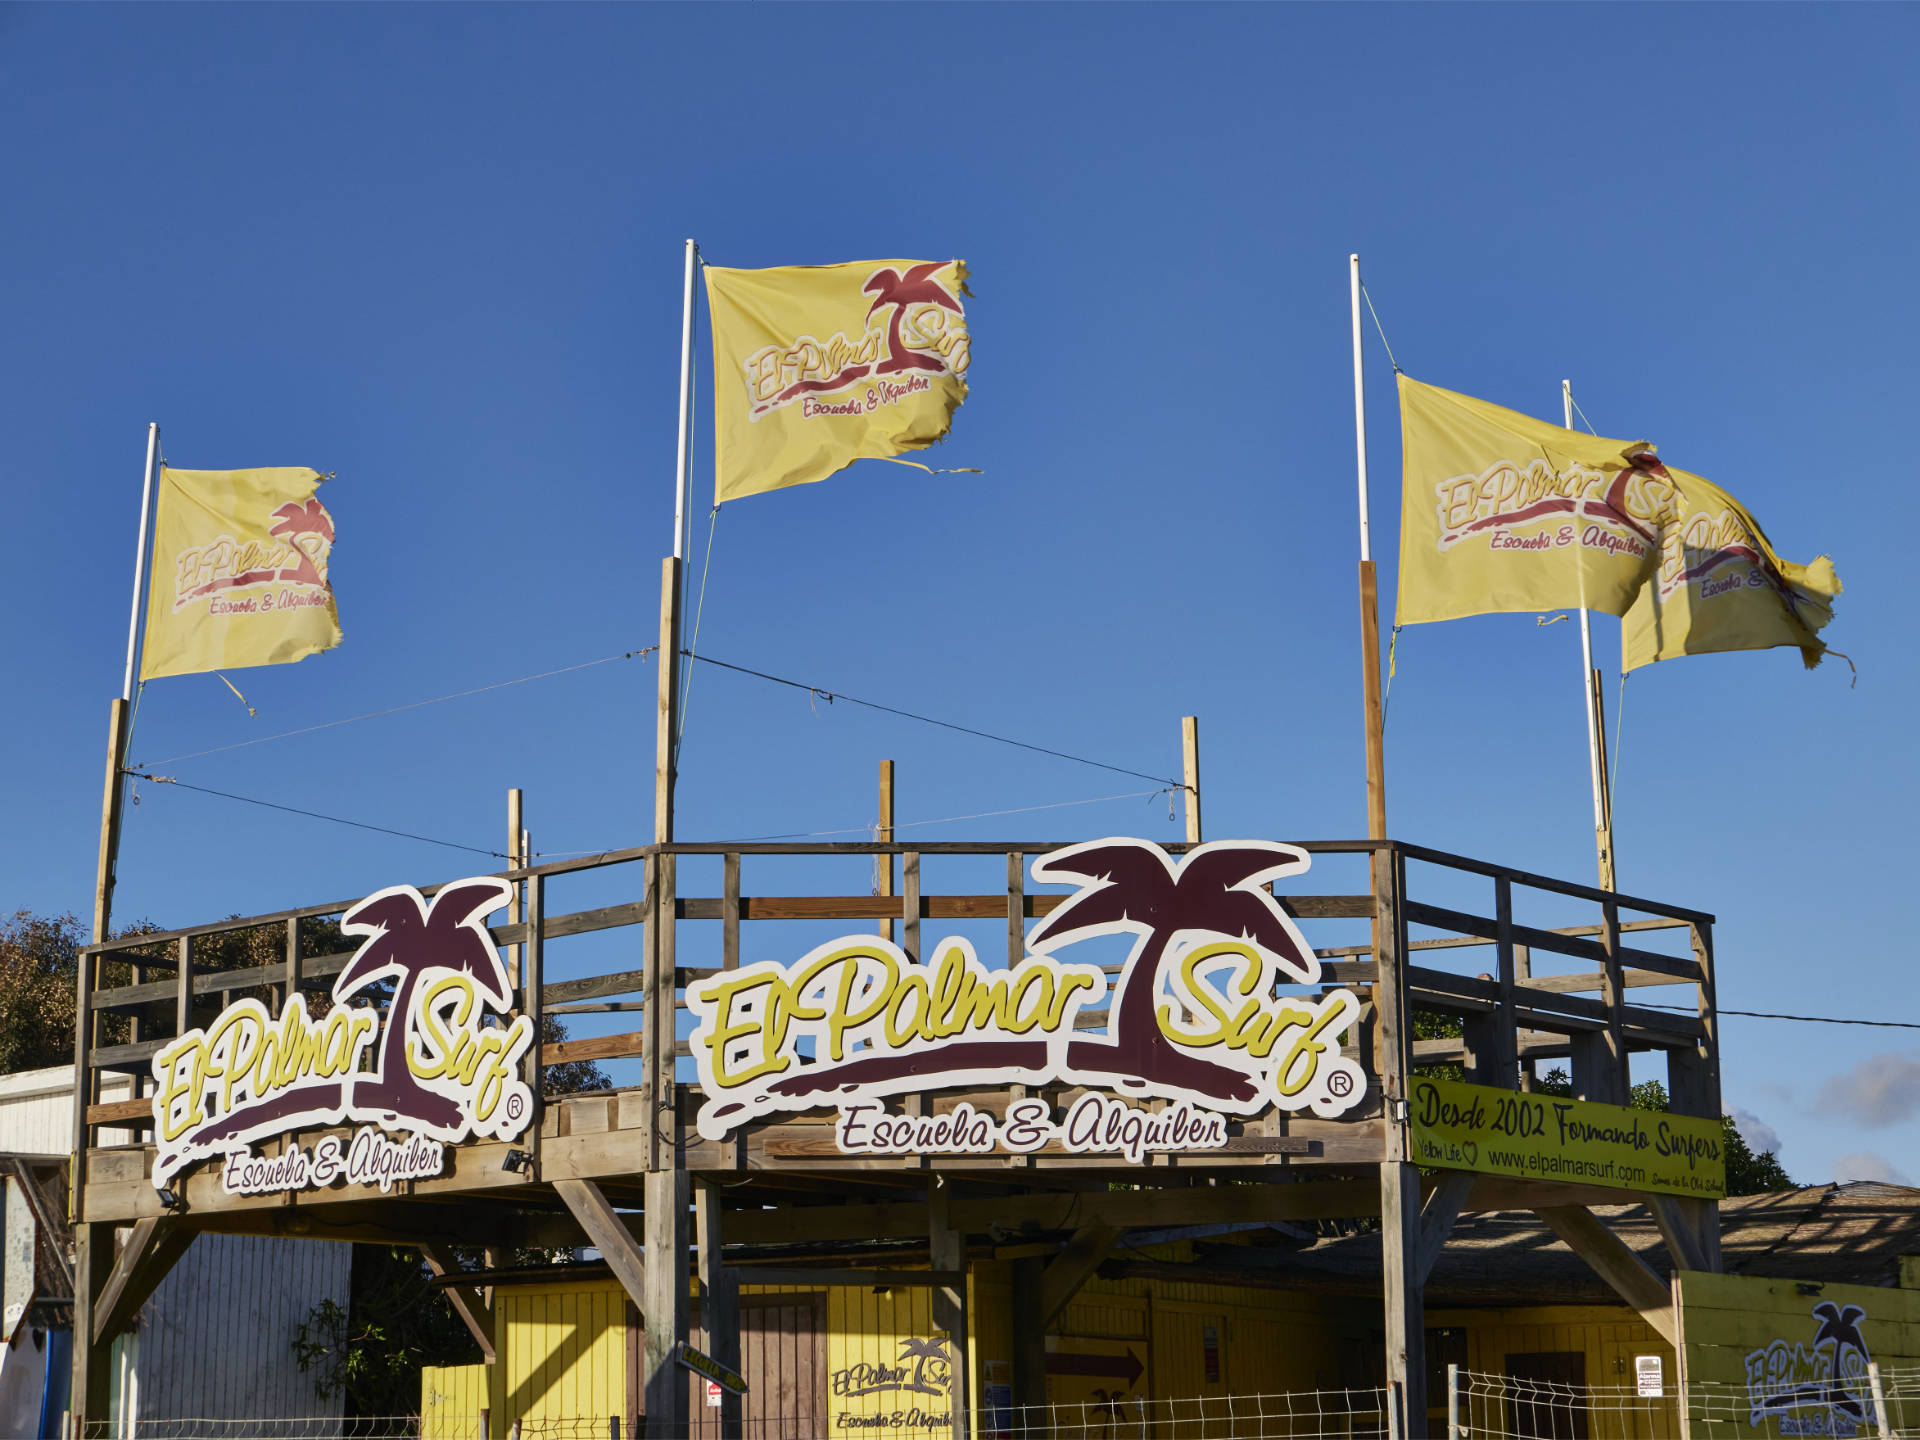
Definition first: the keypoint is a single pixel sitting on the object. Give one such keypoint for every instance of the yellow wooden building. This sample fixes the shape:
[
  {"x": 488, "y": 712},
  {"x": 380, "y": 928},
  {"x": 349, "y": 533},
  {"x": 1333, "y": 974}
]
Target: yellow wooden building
[{"x": 1141, "y": 1351}]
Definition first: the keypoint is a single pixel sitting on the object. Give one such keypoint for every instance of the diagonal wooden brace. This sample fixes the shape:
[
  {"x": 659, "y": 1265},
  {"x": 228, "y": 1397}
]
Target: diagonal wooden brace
[
  {"x": 153, "y": 1249},
  {"x": 467, "y": 1301},
  {"x": 1437, "y": 1217},
  {"x": 1615, "y": 1262},
  {"x": 609, "y": 1235},
  {"x": 1072, "y": 1268}
]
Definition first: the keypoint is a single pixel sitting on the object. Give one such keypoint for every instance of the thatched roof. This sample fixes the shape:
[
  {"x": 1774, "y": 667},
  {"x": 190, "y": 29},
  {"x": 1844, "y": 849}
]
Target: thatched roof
[{"x": 1844, "y": 1234}]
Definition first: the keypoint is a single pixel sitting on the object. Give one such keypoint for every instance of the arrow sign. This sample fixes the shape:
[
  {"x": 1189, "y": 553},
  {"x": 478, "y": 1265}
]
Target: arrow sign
[
  {"x": 689, "y": 1358},
  {"x": 1125, "y": 1367}
]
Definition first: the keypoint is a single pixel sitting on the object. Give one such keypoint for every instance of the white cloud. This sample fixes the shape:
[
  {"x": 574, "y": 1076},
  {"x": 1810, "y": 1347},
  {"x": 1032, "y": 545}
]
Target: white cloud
[
  {"x": 1881, "y": 1090},
  {"x": 1865, "y": 1165},
  {"x": 1761, "y": 1137}
]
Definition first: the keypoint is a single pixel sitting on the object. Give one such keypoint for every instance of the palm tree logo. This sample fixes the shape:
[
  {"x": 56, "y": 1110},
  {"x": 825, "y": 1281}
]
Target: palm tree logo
[
  {"x": 406, "y": 938},
  {"x": 294, "y": 520},
  {"x": 1841, "y": 1325},
  {"x": 924, "y": 1353},
  {"x": 889, "y": 287},
  {"x": 1216, "y": 891}
]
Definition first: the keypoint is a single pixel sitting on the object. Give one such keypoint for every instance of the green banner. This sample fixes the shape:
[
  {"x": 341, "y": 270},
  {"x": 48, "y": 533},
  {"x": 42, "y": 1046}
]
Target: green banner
[{"x": 1457, "y": 1126}]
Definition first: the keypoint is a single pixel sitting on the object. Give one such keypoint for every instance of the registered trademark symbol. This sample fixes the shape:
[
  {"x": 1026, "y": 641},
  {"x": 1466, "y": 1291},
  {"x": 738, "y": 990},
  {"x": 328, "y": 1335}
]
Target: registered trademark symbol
[
  {"x": 1340, "y": 1083},
  {"x": 516, "y": 1107}
]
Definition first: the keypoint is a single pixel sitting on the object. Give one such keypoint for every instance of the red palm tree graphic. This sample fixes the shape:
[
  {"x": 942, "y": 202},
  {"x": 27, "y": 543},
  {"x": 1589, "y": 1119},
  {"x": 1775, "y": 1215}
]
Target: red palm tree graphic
[
  {"x": 408, "y": 937},
  {"x": 1126, "y": 886},
  {"x": 1132, "y": 886},
  {"x": 889, "y": 287},
  {"x": 293, "y": 520}
]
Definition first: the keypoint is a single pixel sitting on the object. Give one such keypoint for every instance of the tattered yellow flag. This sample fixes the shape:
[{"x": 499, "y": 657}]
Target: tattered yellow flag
[
  {"x": 1721, "y": 586},
  {"x": 1500, "y": 511},
  {"x": 816, "y": 366},
  {"x": 239, "y": 572}
]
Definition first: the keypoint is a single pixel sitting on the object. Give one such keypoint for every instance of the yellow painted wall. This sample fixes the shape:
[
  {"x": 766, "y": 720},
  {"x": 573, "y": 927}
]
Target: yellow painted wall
[
  {"x": 562, "y": 1352},
  {"x": 451, "y": 1399},
  {"x": 1609, "y": 1336}
]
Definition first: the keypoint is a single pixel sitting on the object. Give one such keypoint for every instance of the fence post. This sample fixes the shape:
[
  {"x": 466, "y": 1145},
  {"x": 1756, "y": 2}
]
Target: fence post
[
  {"x": 1884, "y": 1429},
  {"x": 1454, "y": 1432}
]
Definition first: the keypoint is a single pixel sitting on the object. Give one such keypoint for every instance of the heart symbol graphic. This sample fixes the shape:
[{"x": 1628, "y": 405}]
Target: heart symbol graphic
[{"x": 1472, "y": 1151}]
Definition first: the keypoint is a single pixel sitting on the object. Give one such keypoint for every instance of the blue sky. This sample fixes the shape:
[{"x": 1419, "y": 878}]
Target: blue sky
[{"x": 437, "y": 251}]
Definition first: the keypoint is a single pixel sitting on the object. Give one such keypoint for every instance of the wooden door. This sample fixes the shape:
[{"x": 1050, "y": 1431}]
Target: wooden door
[
  {"x": 783, "y": 1355},
  {"x": 1549, "y": 1402}
]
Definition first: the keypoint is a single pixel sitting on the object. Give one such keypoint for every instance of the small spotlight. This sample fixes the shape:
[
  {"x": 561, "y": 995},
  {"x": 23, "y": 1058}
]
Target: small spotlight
[
  {"x": 169, "y": 1197},
  {"x": 518, "y": 1161}
]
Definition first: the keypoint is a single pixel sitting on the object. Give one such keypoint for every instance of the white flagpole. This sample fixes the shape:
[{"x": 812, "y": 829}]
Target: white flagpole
[
  {"x": 680, "y": 472},
  {"x": 140, "y": 560},
  {"x": 1602, "y": 828},
  {"x": 1369, "y": 594}
]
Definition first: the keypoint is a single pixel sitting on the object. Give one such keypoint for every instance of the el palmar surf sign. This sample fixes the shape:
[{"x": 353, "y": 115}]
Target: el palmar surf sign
[
  {"x": 434, "y": 1072},
  {"x": 1194, "y": 1018},
  {"x": 1534, "y": 1136}
]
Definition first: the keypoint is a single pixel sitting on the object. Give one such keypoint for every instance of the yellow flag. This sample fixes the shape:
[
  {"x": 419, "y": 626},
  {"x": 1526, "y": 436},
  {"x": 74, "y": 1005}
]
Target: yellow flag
[
  {"x": 239, "y": 572},
  {"x": 1720, "y": 586},
  {"x": 816, "y": 366},
  {"x": 1500, "y": 511}
]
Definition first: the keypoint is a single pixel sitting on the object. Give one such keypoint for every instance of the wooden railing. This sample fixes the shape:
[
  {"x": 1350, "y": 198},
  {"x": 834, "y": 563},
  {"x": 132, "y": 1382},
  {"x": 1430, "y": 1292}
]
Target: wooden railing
[{"x": 1511, "y": 1016}]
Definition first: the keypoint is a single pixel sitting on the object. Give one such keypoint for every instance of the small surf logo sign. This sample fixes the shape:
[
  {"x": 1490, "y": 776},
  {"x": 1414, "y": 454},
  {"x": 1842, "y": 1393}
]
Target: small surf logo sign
[
  {"x": 1195, "y": 1015},
  {"x": 437, "y": 1071},
  {"x": 1822, "y": 1390}
]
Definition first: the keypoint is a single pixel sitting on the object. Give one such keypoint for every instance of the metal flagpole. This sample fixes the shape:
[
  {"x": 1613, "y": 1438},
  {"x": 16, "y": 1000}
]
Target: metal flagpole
[
  {"x": 1590, "y": 687},
  {"x": 140, "y": 560},
  {"x": 667, "y": 726},
  {"x": 1369, "y": 595}
]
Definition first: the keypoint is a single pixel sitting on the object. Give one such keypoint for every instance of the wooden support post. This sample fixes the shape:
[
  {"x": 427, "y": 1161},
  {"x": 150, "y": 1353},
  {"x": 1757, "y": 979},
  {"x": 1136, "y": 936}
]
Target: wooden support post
[
  {"x": 1505, "y": 974},
  {"x": 1406, "y": 1307},
  {"x": 1615, "y": 1262},
  {"x": 665, "y": 1302},
  {"x": 534, "y": 1007},
  {"x": 736, "y": 1147},
  {"x": 1029, "y": 1350},
  {"x": 947, "y": 1250},
  {"x": 469, "y": 1303},
  {"x": 1604, "y": 837},
  {"x": 1406, "y": 1372},
  {"x": 93, "y": 1260},
  {"x": 1190, "y": 763},
  {"x": 515, "y": 859},
  {"x": 660, "y": 1025},
  {"x": 719, "y": 1298},
  {"x": 293, "y": 958},
  {"x": 1371, "y": 704},
  {"x": 883, "y": 871},
  {"x": 667, "y": 721}
]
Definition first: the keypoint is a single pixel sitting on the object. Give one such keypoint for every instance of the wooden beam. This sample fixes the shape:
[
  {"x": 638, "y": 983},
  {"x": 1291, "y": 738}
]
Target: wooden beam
[
  {"x": 1072, "y": 1268},
  {"x": 1615, "y": 1262},
  {"x": 1437, "y": 1215},
  {"x": 822, "y": 1276},
  {"x": 467, "y": 1301},
  {"x": 1404, "y": 1294},
  {"x": 152, "y": 1249},
  {"x": 609, "y": 1235}
]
